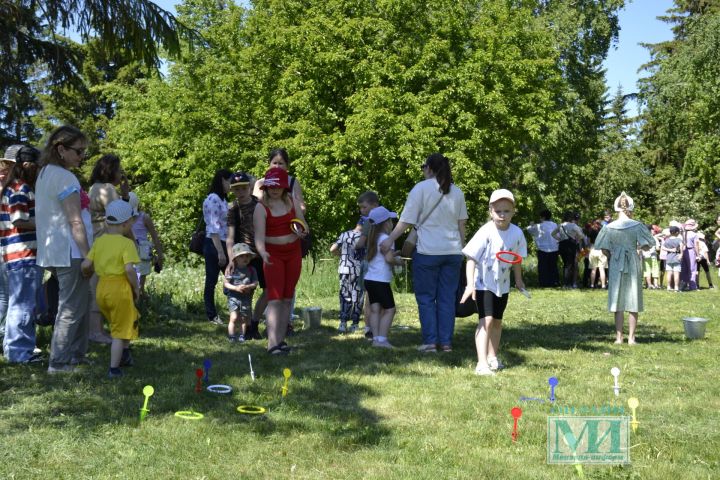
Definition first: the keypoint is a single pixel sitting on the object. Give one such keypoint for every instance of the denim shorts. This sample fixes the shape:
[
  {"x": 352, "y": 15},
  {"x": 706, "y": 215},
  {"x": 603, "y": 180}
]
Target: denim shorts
[{"x": 243, "y": 306}]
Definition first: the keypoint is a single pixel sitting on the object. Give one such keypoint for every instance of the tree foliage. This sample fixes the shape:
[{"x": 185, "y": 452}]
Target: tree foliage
[
  {"x": 33, "y": 48},
  {"x": 360, "y": 92},
  {"x": 681, "y": 128}
]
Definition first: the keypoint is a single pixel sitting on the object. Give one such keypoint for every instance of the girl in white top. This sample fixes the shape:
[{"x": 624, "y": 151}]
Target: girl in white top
[
  {"x": 488, "y": 279},
  {"x": 379, "y": 276}
]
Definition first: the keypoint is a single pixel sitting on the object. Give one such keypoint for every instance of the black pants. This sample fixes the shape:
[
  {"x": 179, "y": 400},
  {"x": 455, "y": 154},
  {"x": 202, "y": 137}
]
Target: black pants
[
  {"x": 568, "y": 253},
  {"x": 548, "y": 269}
]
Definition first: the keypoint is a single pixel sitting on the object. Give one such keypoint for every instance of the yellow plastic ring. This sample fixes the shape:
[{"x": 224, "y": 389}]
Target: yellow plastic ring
[
  {"x": 250, "y": 410},
  {"x": 189, "y": 415},
  {"x": 296, "y": 224}
]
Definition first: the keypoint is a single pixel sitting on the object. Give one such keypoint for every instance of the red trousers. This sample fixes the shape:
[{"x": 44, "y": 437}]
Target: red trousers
[{"x": 283, "y": 272}]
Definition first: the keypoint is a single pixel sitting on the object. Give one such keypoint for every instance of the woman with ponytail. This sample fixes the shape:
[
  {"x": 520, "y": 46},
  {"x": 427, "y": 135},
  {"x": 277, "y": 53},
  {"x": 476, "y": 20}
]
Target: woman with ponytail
[
  {"x": 620, "y": 241},
  {"x": 436, "y": 208}
]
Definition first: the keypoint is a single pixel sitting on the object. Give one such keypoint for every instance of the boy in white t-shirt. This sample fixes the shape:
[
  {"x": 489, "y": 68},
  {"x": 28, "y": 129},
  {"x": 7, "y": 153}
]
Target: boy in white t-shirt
[{"x": 488, "y": 279}]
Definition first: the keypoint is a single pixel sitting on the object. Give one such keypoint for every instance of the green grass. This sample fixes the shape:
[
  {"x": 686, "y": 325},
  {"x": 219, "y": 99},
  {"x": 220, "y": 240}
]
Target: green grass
[{"x": 354, "y": 412}]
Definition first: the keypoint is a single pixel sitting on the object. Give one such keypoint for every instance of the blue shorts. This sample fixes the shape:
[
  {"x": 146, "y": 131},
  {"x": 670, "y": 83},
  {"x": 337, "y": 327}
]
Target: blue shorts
[{"x": 243, "y": 306}]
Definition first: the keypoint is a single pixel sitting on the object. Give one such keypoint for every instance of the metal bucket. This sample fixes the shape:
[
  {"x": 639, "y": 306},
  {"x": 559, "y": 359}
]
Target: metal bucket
[
  {"x": 312, "y": 317},
  {"x": 694, "y": 327}
]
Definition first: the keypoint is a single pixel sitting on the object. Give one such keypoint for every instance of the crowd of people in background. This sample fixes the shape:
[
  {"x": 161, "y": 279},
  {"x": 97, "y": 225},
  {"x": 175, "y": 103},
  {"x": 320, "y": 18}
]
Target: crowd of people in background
[{"x": 78, "y": 259}]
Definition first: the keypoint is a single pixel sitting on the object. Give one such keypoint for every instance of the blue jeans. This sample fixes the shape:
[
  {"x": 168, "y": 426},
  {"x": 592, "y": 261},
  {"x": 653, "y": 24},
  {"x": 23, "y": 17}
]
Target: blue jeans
[
  {"x": 212, "y": 270},
  {"x": 436, "y": 279},
  {"x": 3, "y": 297},
  {"x": 19, "y": 340}
]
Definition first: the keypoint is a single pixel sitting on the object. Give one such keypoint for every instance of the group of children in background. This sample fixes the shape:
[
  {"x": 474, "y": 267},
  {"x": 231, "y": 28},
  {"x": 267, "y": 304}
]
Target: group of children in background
[{"x": 366, "y": 271}]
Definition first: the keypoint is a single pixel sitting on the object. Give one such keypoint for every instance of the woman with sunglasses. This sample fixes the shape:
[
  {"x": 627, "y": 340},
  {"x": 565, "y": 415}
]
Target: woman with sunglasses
[{"x": 63, "y": 241}]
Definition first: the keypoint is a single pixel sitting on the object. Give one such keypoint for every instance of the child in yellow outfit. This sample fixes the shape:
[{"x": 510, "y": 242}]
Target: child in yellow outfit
[{"x": 112, "y": 256}]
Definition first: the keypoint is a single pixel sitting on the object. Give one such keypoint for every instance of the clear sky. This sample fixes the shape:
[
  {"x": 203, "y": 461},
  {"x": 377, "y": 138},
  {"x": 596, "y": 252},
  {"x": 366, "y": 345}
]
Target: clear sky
[{"x": 638, "y": 24}]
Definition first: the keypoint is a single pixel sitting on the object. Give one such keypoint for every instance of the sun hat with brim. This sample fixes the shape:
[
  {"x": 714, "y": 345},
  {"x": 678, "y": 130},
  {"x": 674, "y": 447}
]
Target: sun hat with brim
[
  {"x": 11, "y": 153},
  {"x": 276, "y": 178},
  {"x": 117, "y": 212},
  {"x": 241, "y": 249}
]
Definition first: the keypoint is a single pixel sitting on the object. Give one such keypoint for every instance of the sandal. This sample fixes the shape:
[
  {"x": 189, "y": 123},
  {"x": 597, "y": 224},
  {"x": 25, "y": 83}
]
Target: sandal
[
  {"x": 277, "y": 350},
  {"x": 284, "y": 346}
]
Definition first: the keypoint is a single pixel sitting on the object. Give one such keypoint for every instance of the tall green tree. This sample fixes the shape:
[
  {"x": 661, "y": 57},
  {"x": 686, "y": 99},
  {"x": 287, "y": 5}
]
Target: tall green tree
[
  {"x": 32, "y": 42},
  {"x": 360, "y": 92},
  {"x": 681, "y": 125}
]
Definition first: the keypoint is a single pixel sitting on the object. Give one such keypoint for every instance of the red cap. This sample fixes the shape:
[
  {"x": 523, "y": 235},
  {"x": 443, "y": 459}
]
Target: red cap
[{"x": 276, "y": 178}]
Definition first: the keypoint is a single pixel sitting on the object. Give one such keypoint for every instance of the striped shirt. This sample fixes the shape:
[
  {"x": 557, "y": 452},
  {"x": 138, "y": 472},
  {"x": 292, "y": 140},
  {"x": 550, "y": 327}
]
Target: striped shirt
[{"x": 18, "y": 245}]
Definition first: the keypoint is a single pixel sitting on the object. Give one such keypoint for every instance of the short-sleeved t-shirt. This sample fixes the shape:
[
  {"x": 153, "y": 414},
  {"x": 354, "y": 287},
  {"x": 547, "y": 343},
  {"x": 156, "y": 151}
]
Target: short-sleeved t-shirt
[
  {"x": 439, "y": 233},
  {"x": 242, "y": 276},
  {"x": 672, "y": 244},
  {"x": 490, "y": 273},
  {"x": 54, "y": 185},
  {"x": 111, "y": 252},
  {"x": 241, "y": 218}
]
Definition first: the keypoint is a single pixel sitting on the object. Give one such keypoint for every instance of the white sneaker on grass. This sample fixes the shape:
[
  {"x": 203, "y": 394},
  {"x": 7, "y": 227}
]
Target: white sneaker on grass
[
  {"x": 381, "y": 343},
  {"x": 484, "y": 371},
  {"x": 495, "y": 363},
  {"x": 342, "y": 328},
  {"x": 427, "y": 348}
]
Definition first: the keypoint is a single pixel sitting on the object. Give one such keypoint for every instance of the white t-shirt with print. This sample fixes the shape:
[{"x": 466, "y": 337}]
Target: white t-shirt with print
[
  {"x": 439, "y": 234},
  {"x": 491, "y": 274}
]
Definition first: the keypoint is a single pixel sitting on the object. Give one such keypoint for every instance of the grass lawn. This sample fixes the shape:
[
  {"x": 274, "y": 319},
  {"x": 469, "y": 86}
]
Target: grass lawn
[{"x": 354, "y": 412}]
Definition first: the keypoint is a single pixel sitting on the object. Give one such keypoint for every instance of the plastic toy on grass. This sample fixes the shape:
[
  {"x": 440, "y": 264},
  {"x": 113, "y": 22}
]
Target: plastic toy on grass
[
  {"x": 553, "y": 382},
  {"x": 615, "y": 372},
  {"x": 286, "y": 373},
  {"x": 251, "y": 410},
  {"x": 220, "y": 388},
  {"x": 252, "y": 372},
  {"x": 633, "y": 404},
  {"x": 198, "y": 384},
  {"x": 207, "y": 364},
  {"x": 189, "y": 415},
  {"x": 516, "y": 413},
  {"x": 147, "y": 391}
]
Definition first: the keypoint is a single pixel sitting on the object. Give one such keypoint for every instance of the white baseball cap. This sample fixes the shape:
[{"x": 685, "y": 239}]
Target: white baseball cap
[
  {"x": 501, "y": 194},
  {"x": 117, "y": 212}
]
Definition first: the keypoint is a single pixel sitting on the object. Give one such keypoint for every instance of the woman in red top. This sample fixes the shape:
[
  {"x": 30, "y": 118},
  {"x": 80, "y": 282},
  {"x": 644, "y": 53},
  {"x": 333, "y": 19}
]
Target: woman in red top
[{"x": 279, "y": 247}]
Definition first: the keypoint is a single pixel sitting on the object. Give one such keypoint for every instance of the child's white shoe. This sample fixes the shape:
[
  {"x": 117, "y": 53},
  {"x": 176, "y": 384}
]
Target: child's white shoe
[
  {"x": 483, "y": 371},
  {"x": 342, "y": 328},
  {"x": 495, "y": 363}
]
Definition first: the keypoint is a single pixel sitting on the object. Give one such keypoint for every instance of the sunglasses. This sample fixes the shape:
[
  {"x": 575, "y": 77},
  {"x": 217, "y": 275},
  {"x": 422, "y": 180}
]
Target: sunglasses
[{"x": 79, "y": 151}]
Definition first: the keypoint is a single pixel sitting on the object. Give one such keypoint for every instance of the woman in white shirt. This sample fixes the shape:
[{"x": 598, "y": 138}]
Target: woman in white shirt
[
  {"x": 436, "y": 208},
  {"x": 570, "y": 236},
  {"x": 63, "y": 242}
]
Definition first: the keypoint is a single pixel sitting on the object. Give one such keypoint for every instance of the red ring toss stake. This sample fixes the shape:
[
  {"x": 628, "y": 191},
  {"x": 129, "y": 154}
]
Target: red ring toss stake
[{"x": 516, "y": 413}]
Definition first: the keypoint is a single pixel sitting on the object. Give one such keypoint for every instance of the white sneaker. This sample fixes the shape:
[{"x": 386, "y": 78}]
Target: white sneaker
[
  {"x": 495, "y": 363},
  {"x": 342, "y": 328},
  {"x": 427, "y": 348},
  {"x": 484, "y": 371},
  {"x": 63, "y": 369},
  {"x": 381, "y": 344}
]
